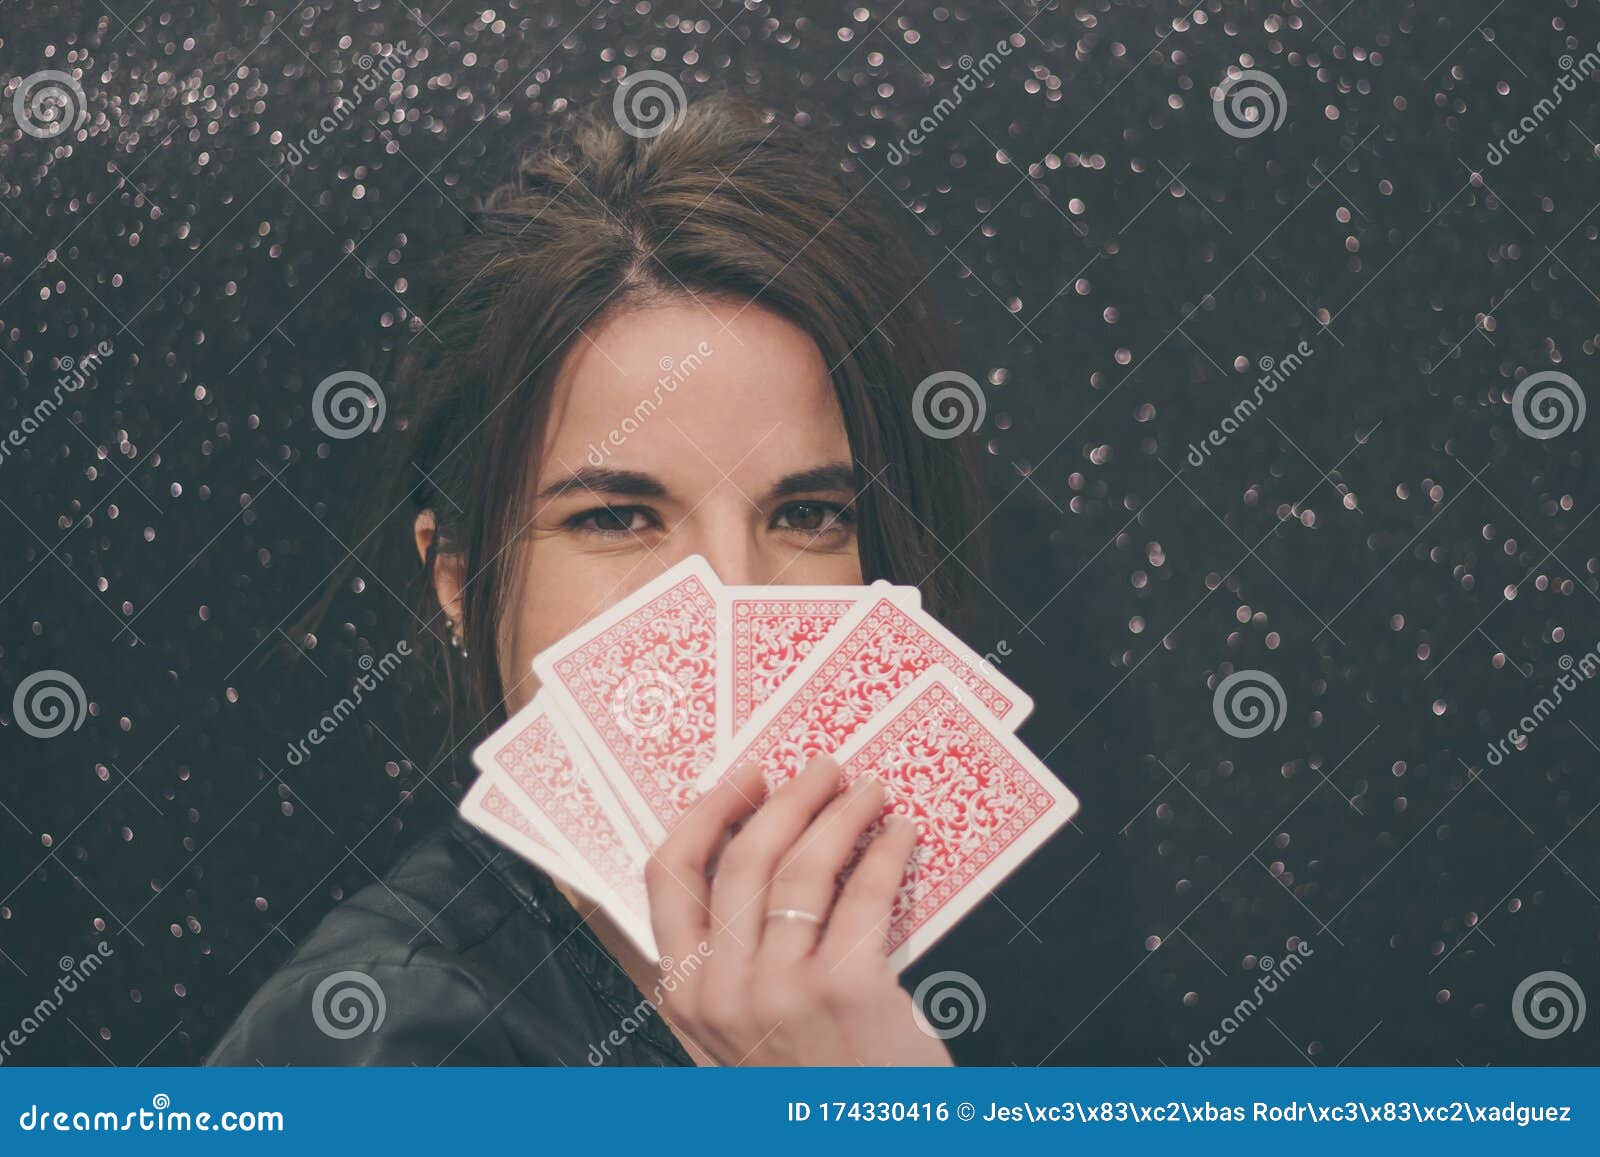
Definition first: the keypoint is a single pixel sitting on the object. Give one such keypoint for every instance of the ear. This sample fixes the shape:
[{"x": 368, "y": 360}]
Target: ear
[{"x": 448, "y": 570}]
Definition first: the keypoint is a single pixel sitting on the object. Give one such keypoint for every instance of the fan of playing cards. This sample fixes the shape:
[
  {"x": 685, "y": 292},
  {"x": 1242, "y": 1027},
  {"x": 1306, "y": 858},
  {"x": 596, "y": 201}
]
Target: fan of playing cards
[{"x": 647, "y": 705}]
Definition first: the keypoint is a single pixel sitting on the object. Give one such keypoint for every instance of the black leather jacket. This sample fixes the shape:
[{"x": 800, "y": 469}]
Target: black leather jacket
[{"x": 473, "y": 958}]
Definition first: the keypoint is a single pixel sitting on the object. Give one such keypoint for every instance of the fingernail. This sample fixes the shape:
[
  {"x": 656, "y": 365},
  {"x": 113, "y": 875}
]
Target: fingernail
[{"x": 864, "y": 783}]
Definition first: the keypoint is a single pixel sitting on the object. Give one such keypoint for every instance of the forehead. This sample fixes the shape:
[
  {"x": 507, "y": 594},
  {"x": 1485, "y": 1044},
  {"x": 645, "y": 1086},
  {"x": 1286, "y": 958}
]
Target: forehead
[{"x": 694, "y": 391}]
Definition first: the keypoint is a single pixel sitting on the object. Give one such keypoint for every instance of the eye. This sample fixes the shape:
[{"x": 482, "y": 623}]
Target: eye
[
  {"x": 814, "y": 518},
  {"x": 611, "y": 520}
]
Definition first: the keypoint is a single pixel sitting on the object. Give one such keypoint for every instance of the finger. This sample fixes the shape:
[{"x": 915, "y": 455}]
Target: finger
[
  {"x": 676, "y": 878},
  {"x": 739, "y": 888},
  {"x": 808, "y": 875},
  {"x": 860, "y": 919}
]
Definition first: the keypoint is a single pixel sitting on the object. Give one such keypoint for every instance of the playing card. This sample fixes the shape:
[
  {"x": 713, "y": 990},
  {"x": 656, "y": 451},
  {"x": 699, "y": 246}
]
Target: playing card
[
  {"x": 624, "y": 733},
  {"x": 981, "y": 801},
  {"x": 638, "y": 685},
  {"x": 536, "y": 766},
  {"x": 872, "y": 654},
  {"x": 765, "y": 632},
  {"x": 491, "y": 809}
]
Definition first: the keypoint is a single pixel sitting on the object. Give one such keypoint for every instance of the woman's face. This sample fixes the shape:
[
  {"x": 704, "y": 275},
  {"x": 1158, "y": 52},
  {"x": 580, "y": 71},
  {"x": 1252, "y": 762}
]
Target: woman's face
[{"x": 682, "y": 429}]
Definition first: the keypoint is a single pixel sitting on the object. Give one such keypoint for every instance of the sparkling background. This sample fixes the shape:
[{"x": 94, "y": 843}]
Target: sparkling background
[{"x": 1381, "y": 538}]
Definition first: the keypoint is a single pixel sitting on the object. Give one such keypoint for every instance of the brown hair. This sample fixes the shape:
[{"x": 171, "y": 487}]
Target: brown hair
[{"x": 725, "y": 203}]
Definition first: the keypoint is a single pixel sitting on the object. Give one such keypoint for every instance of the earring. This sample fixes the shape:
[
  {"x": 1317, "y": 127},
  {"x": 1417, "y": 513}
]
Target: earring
[{"x": 456, "y": 638}]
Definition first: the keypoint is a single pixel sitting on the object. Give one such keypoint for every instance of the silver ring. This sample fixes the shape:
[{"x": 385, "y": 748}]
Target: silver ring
[{"x": 793, "y": 914}]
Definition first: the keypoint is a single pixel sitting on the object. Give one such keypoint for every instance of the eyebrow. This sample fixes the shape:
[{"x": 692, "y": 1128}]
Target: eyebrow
[
  {"x": 636, "y": 484},
  {"x": 604, "y": 480},
  {"x": 833, "y": 476}
]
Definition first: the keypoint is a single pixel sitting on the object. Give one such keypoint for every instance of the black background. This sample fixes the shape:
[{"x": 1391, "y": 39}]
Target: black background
[{"x": 1361, "y": 538}]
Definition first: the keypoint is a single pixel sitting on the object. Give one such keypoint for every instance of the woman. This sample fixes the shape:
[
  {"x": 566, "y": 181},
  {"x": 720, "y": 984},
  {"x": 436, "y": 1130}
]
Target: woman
[{"x": 565, "y": 469}]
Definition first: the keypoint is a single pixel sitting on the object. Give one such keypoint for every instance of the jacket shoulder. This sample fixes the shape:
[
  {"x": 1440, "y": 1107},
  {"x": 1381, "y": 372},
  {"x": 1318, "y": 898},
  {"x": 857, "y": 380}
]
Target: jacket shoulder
[{"x": 390, "y": 977}]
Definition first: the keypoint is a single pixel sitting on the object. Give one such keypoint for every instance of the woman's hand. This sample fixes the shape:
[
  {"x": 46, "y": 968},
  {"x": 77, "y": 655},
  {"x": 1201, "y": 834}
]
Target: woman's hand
[{"x": 779, "y": 989}]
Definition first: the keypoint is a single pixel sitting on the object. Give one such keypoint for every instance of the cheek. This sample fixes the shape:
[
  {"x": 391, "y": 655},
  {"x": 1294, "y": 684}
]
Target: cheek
[
  {"x": 558, "y": 589},
  {"x": 553, "y": 594}
]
